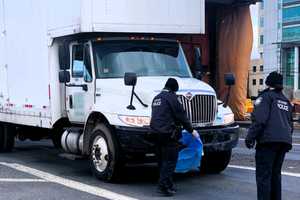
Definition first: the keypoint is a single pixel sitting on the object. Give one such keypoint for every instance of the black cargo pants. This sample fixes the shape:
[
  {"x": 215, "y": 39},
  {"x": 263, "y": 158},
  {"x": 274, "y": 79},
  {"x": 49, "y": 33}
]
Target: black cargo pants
[
  {"x": 167, "y": 153},
  {"x": 269, "y": 159}
]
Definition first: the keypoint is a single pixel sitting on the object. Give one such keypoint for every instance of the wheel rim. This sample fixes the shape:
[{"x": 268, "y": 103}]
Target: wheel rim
[{"x": 100, "y": 153}]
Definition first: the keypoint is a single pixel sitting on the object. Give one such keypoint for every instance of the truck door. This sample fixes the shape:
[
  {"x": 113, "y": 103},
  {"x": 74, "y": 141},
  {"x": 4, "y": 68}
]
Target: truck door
[
  {"x": 3, "y": 66},
  {"x": 80, "y": 90}
]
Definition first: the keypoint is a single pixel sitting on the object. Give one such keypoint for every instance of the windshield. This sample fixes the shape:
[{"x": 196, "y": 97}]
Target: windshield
[{"x": 145, "y": 58}]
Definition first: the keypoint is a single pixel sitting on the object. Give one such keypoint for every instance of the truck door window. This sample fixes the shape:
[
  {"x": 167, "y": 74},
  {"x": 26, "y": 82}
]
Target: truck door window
[
  {"x": 77, "y": 64},
  {"x": 81, "y": 65},
  {"x": 87, "y": 74}
]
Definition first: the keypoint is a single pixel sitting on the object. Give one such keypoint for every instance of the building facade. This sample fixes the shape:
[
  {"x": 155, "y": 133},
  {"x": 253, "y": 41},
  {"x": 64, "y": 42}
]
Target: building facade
[
  {"x": 281, "y": 40},
  {"x": 270, "y": 37},
  {"x": 260, "y": 29},
  {"x": 255, "y": 78},
  {"x": 290, "y": 44},
  {"x": 256, "y": 73}
]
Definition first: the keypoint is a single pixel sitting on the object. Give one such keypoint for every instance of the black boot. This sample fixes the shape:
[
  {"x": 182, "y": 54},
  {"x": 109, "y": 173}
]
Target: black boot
[{"x": 166, "y": 191}]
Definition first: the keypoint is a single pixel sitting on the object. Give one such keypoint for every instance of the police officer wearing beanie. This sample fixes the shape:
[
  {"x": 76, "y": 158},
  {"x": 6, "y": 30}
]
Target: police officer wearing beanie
[
  {"x": 271, "y": 129},
  {"x": 167, "y": 115}
]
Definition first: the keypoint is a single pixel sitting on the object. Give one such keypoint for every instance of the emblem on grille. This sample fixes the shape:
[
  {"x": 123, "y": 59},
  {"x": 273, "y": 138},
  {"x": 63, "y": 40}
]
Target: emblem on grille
[{"x": 189, "y": 96}]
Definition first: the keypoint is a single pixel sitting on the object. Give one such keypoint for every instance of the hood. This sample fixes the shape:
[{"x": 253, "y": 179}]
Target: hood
[
  {"x": 116, "y": 96},
  {"x": 154, "y": 85}
]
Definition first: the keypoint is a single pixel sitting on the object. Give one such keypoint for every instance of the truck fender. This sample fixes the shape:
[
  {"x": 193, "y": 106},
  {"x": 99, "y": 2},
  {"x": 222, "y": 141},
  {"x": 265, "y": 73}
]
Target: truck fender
[{"x": 93, "y": 119}]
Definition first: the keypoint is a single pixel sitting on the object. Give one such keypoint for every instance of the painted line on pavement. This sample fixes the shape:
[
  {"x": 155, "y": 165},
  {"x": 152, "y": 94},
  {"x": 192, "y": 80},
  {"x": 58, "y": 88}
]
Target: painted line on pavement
[
  {"x": 97, "y": 191},
  {"x": 294, "y": 144},
  {"x": 21, "y": 180},
  {"x": 253, "y": 169}
]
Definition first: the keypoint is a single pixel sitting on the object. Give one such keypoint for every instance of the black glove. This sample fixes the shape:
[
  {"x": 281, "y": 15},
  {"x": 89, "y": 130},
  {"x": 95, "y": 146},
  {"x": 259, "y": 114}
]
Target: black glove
[{"x": 249, "y": 143}]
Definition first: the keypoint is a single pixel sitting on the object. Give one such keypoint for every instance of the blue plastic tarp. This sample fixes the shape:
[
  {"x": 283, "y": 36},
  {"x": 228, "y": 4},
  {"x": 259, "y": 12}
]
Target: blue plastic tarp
[{"x": 189, "y": 158}]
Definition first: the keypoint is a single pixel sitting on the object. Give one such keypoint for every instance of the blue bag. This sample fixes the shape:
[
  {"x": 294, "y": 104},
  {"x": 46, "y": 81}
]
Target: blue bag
[{"x": 189, "y": 158}]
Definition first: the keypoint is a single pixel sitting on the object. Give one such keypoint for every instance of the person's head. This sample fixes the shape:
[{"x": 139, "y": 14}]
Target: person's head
[
  {"x": 172, "y": 85},
  {"x": 275, "y": 80}
]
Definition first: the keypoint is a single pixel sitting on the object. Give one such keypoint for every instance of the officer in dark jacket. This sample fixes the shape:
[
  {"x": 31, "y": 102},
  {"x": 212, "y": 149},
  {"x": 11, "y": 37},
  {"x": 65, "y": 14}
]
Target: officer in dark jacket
[
  {"x": 272, "y": 130},
  {"x": 167, "y": 115}
]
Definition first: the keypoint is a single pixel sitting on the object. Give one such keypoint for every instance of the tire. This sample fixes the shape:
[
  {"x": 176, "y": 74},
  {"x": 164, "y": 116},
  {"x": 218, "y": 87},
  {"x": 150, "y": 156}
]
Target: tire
[
  {"x": 7, "y": 137},
  {"x": 57, "y": 132},
  {"x": 56, "y": 137},
  {"x": 104, "y": 155},
  {"x": 215, "y": 162}
]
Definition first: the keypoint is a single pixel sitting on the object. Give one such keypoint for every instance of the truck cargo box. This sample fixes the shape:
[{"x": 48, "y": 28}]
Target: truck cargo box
[
  {"x": 155, "y": 16},
  {"x": 29, "y": 87}
]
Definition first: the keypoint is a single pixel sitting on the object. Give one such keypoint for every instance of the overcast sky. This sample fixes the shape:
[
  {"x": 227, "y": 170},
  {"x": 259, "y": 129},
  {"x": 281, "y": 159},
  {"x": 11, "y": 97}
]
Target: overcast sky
[{"x": 254, "y": 14}]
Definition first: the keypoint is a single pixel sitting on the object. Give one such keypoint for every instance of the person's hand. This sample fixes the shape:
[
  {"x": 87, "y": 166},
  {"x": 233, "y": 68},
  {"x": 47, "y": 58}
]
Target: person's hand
[
  {"x": 249, "y": 143},
  {"x": 195, "y": 134}
]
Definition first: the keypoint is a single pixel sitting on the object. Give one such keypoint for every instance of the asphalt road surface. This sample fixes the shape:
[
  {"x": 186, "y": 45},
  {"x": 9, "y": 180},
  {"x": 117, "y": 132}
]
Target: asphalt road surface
[{"x": 35, "y": 170}]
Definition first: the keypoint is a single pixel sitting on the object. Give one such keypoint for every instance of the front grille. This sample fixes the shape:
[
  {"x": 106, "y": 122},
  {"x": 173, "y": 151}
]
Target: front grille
[{"x": 201, "y": 109}]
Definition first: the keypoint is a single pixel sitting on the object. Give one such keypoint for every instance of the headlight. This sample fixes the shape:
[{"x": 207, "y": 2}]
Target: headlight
[
  {"x": 228, "y": 118},
  {"x": 135, "y": 120}
]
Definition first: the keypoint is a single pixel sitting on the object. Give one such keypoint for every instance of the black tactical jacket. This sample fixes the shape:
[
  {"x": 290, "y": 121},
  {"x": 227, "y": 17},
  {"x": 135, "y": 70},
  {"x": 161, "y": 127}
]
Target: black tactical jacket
[
  {"x": 271, "y": 119},
  {"x": 168, "y": 113}
]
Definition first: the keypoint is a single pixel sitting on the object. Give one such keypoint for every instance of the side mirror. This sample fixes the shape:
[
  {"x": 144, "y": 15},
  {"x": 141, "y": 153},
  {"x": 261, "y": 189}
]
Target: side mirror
[
  {"x": 64, "y": 76},
  {"x": 130, "y": 79},
  {"x": 229, "y": 79},
  {"x": 64, "y": 57}
]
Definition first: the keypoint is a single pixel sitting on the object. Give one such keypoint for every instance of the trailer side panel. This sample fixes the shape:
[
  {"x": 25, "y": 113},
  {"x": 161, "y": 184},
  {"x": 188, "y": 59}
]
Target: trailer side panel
[{"x": 26, "y": 63}]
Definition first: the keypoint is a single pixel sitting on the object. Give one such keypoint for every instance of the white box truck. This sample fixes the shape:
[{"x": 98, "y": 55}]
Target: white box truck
[{"x": 62, "y": 68}]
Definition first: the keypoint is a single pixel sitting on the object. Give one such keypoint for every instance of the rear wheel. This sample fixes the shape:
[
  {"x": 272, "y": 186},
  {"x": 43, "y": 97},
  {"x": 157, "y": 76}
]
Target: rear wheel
[
  {"x": 215, "y": 162},
  {"x": 7, "y": 137},
  {"x": 104, "y": 154}
]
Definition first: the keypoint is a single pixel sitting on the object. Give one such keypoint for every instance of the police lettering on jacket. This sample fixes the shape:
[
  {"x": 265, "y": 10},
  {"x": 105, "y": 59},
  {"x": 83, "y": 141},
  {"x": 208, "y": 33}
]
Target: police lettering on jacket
[
  {"x": 271, "y": 118},
  {"x": 283, "y": 105},
  {"x": 167, "y": 113}
]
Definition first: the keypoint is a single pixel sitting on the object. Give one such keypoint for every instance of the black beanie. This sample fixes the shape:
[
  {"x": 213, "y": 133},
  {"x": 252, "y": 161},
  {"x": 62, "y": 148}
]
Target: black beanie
[
  {"x": 274, "y": 80},
  {"x": 172, "y": 85}
]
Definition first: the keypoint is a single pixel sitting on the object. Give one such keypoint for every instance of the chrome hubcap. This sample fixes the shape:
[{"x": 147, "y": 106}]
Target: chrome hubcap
[{"x": 100, "y": 153}]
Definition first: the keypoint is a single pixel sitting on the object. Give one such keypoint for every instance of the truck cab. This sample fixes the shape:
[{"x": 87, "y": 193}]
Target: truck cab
[{"x": 115, "y": 116}]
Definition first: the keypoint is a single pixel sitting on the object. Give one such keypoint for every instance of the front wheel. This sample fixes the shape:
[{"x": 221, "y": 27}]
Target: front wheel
[
  {"x": 215, "y": 162},
  {"x": 104, "y": 154}
]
